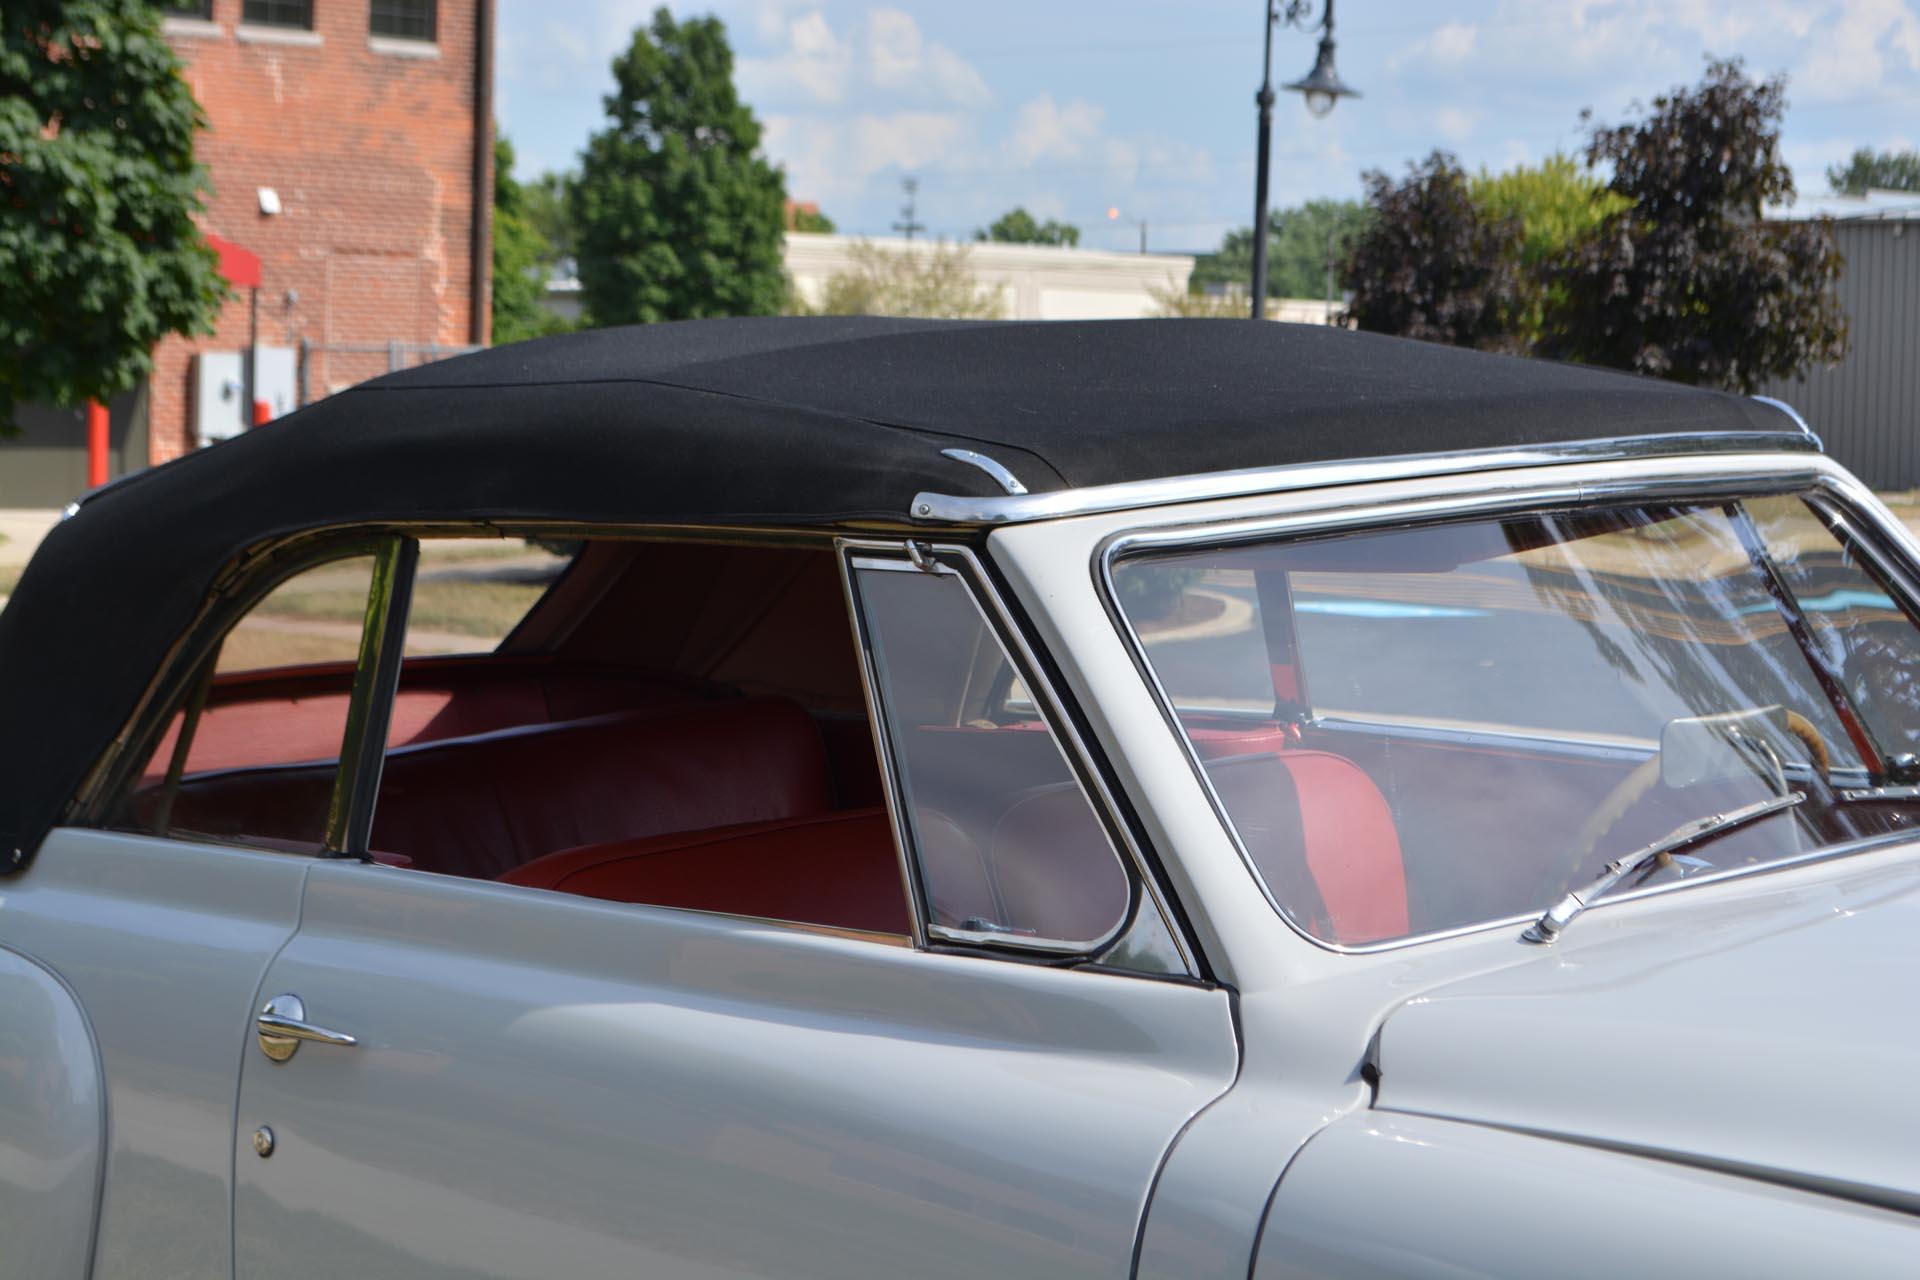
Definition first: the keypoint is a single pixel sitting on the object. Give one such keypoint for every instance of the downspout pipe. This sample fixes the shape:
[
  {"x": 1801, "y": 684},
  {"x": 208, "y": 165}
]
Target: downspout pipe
[{"x": 480, "y": 266}]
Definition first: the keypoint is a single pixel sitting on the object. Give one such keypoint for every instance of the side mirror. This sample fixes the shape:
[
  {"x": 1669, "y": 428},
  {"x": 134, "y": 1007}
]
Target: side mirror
[{"x": 1733, "y": 744}]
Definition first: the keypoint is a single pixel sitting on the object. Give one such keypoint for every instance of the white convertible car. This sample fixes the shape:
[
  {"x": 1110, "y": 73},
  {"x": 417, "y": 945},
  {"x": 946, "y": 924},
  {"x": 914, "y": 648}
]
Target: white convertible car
[{"x": 858, "y": 798}]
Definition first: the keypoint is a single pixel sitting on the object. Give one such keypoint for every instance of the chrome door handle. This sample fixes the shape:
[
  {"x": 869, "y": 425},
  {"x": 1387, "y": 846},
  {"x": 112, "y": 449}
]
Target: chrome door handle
[{"x": 283, "y": 1025}]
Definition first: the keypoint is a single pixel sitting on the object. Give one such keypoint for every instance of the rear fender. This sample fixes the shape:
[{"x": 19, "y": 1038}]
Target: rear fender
[{"x": 52, "y": 1124}]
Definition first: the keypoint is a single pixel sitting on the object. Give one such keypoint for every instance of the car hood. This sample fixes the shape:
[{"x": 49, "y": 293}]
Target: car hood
[{"x": 1771, "y": 1030}]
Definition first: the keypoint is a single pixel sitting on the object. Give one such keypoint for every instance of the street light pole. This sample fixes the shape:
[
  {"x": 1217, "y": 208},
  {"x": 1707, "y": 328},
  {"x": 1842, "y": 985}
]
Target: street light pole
[
  {"x": 1322, "y": 87},
  {"x": 1265, "y": 100}
]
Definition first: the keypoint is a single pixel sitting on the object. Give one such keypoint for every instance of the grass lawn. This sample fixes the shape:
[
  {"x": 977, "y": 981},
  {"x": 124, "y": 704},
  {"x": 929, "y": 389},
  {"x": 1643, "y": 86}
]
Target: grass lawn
[{"x": 470, "y": 608}]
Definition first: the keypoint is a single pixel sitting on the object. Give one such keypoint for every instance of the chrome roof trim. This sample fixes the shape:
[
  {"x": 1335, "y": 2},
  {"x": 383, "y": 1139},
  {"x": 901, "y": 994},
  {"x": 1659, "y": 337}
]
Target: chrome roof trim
[
  {"x": 1001, "y": 476},
  {"x": 959, "y": 509},
  {"x": 1793, "y": 413}
]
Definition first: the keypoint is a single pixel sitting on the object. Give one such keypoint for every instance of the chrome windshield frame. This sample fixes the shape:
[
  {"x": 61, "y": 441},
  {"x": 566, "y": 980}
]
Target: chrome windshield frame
[
  {"x": 959, "y": 509},
  {"x": 1830, "y": 488}
]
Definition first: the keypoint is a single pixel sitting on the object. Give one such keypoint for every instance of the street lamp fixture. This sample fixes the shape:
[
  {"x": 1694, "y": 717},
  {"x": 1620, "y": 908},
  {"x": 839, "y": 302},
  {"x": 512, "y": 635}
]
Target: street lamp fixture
[
  {"x": 1322, "y": 85},
  {"x": 1322, "y": 88}
]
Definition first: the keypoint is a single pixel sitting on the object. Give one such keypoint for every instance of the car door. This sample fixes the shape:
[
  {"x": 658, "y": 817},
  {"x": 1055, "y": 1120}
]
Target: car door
[
  {"x": 512, "y": 1082},
  {"x": 543, "y": 1086},
  {"x": 157, "y": 932}
]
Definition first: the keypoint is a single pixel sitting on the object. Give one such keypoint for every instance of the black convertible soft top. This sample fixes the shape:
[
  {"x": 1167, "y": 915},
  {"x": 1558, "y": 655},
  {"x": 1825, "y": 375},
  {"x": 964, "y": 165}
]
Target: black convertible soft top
[{"x": 764, "y": 422}]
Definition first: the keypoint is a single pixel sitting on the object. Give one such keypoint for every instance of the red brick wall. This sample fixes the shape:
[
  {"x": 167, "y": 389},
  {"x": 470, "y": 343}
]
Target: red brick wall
[{"x": 371, "y": 153}]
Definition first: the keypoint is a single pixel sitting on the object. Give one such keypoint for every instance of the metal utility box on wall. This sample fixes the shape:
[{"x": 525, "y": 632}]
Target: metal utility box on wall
[
  {"x": 276, "y": 380},
  {"x": 220, "y": 408},
  {"x": 219, "y": 396}
]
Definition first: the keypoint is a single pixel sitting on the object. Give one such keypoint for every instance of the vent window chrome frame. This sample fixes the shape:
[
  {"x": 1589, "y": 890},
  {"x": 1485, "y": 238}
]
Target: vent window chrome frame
[
  {"x": 1145, "y": 892},
  {"x": 1851, "y": 510}
]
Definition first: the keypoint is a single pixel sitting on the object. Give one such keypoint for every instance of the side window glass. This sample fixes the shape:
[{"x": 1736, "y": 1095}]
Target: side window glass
[
  {"x": 251, "y": 752},
  {"x": 1008, "y": 844}
]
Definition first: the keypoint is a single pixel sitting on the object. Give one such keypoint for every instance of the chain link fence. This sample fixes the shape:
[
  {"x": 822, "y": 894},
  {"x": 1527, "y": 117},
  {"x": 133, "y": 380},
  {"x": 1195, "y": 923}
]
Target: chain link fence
[{"x": 327, "y": 367}]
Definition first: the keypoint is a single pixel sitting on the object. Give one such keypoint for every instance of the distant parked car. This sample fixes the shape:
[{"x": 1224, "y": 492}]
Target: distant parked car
[{"x": 848, "y": 798}]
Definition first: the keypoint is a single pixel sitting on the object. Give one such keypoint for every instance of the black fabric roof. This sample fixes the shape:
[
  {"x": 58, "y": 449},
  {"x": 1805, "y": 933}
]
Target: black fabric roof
[{"x": 756, "y": 421}]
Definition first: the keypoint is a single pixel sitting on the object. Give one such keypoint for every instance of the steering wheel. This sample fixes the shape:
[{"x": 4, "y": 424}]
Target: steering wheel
[{"x": 1633, "y": 788}]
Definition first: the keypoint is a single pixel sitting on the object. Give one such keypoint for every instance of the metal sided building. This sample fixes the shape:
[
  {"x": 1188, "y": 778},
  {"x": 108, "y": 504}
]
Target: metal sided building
[{"x": 1867, "y": 407}]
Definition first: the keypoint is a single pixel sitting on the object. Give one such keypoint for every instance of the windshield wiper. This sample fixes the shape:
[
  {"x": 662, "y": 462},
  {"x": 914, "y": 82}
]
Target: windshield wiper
[{"x": 1558, "y": 916}]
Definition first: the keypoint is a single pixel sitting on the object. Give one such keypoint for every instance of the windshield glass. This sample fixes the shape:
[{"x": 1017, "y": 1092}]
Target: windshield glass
[{"x": 1433, "y": 727}]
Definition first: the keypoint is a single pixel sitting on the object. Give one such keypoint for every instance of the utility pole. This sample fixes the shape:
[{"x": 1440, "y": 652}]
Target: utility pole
[
  {"x": 909, "y": 224},
  {"x": 1331, "y": 226}
]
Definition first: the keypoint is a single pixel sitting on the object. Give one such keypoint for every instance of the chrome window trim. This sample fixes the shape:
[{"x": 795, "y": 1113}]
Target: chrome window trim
[
  {"x": 376, "y": 683},
  {"x": 1144, "y": 888},
  {"x": 1798, "y": 419},
  {"x": 960, "y": 509},
  {"x": 1821, "y": 480}
]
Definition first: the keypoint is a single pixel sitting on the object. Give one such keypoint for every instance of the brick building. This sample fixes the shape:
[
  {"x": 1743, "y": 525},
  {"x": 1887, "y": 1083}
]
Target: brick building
[
  {"x": 347, "y": 142},
  {"x": 348, "y": 146}
]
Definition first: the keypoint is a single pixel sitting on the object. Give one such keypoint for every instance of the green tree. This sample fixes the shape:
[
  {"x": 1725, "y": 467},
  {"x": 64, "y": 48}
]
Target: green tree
[
  {"x": 1017, "y": 226},
  {"x": 1434, "y": 265},
  {"x": 1297, "y": 251},
  {"x": 1689, "y": 281},
  {"x": 99, "y": 254},
  {"x": 811, "y": 221},
  {"x": 544, "y": 202},
  {"x": 521, "y": 256},
  {"x": 934, "y": 281},
  {"x": 678, "y": 214},
  {"x": 1559, "y": 205},
  {"x": 1886, "y": 170},
  {"x": 1173, "y": 302}
]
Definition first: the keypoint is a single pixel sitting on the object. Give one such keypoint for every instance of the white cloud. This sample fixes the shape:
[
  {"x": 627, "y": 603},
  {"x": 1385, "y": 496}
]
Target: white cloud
[
  {"x": 1455, "y": 124},
  {"x": 883, "y": 51},
  {"x": 1043, "y": 129},
  {"x": 1446, "y": 46},
  {"x": 900, "y": 60},
  {"x": 1855, "y": 46},
  {"x": 812, "y": 64},
  {"x": 834, "y": 158}
]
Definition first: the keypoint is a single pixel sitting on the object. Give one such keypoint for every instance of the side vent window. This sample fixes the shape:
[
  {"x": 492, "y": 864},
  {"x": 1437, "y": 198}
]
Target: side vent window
[{"x": 1008, "y": 846}]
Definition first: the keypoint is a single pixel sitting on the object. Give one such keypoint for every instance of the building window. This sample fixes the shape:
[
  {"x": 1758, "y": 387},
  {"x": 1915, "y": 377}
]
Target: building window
[
  {"x": 403, "y": 19},
  {"x": 201, "y": 9},
  {"x": 278, "y": 13}
]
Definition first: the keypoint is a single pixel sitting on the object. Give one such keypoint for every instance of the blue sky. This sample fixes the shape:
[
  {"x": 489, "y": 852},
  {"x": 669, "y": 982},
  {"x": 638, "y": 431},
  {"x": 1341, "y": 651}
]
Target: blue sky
[{"x": 1072, "y": 107}]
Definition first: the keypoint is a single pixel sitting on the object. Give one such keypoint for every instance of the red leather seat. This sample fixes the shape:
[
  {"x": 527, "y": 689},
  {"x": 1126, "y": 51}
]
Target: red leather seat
[
  {"x": 835, "y": 869},
  {"x": 478, "y": 805},
  {"x": 1323, "y": 838},
  {"x": 281, "y": 716}
]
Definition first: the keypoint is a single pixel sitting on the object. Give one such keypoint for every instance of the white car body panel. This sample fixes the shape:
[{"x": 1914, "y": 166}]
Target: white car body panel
[
  {"x": 1408, "y": 1198},
  {"x": 164, "y": 944},
  {"x": 547, "y": 1085},
  {"x": 1788, "y": 997},
  {"x": 53, "y": 1125}
]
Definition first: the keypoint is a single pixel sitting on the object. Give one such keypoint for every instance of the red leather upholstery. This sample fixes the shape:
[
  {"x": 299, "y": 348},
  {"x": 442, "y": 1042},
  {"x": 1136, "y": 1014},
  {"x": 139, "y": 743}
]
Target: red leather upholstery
[
  {"x": 289, "y": 715},
  {"x": 835, "y": 869},
  {"x": 1323, "y": 838},
  {"x": 477, "y": 805},
  {"x": 1218, "y": 738}
]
